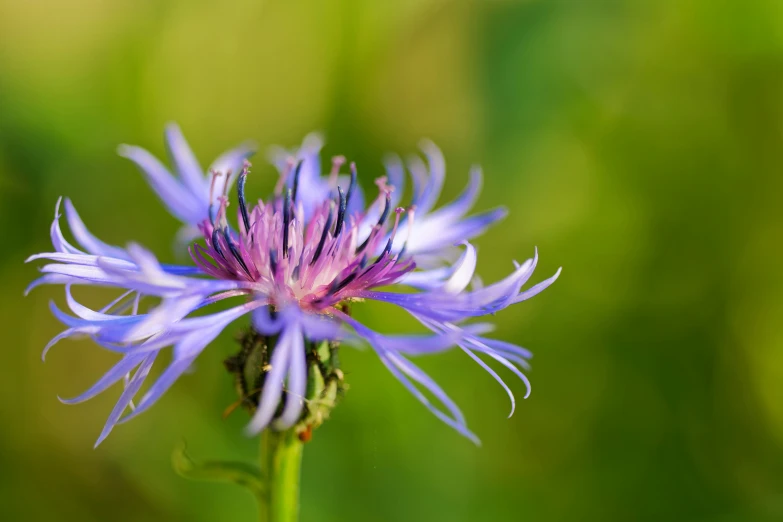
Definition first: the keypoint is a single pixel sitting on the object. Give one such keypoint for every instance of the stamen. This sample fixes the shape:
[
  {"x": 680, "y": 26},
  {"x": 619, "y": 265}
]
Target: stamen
[
  {"x": 398, "y": 214},
  {"x": 296, "y": 179},
  {"x": 284, "y": 176},
  {"x": 324, "y": 233},
  {"x": 241, "y": 195},
  {"x": 386, "y": 249},
  {"x": 383, "y": 185},
  {"x": 340, "y": 212},
  {"x": 379, "y": 225},
  {"x": 386, "y": 210},
  {"x": 221, "y": 212},
  {"x": 216, "y": 243},
  {"x": 286, "y": 221},
  {"x": 337, "y": 162},
  {"x": 215, "y": 175},
  {"x": 336, "y": 287},
  {"x": 351, "y": 185},
  {"x": 294, "y": 271},
  {"x": 225, "y": 187},
  {"x": 234, "y": 252},
  {"x": 273, "y": 262}
]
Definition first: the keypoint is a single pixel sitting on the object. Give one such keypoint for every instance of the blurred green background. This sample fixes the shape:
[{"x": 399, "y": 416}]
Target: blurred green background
[{"x": 638, "y": 144}]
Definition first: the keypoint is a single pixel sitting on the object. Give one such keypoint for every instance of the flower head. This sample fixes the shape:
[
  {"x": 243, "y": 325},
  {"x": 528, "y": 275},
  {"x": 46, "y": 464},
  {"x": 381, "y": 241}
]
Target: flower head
[{"x": 292, "y": 263}]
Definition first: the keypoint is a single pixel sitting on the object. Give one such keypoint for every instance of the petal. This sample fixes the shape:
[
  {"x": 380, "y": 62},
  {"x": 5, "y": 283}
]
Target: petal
[
  {"x": 431, "y": 235},
  {"x": 87, "y": 313},
  {"x": 131, "y": 389},
  {"x": 297, "y": 380},
  {"x": 405, "y": 370},
  {"x": 312, "y": 188},
  {"x": 50, "y": 279},
  {"x": 117, "y": 372},
  {"x": 462, "y": 205},
  {"x": 495, "y": 376},
  {"x": 178, "y": 199},
  {"x": 319, "y": 327},
  {"x": 264, "y": 322},
  {"x": 273, "y": 383},
  {"x": 58, "y": 240},
  {"x": 87, "y": 240},
  {"x": 427, "y": 279},
  {"x": 396, "y": 174},
  {"x": 185, "y": 163},
  {"x": 463, "y": 273},
  {"x": 70, "y": 332},
  {"x": 537, "y": 289},
  {"x": 433, "y": 388},
  {"x": 163, "y": 316},
  {"x": 186, "y": 352},
  {"x": 430, "y": 191}
]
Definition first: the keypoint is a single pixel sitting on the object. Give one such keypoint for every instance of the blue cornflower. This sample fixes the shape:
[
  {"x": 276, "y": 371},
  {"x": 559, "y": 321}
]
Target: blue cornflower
[{"x": 292, "y": 263}]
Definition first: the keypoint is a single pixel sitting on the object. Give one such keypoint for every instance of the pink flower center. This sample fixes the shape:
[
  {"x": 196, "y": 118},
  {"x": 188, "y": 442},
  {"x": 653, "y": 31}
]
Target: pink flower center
[{"x": 316, "y": 262}]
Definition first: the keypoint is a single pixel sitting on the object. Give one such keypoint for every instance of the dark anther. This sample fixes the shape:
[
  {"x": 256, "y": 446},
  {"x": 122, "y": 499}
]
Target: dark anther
[
  {"x": 273, "y": 262},
  {"x": 336, "y": 287},
  {"x": 340, "y": 212},
  {"x": 386, "y": 250},
  {"x": 241, "y": 196},
  {"x": 381, "y": 221},
  {"x": 364, "y": 244},
  {"x": 381, "y": 257},
  {"x": 234, "y": 252},
  {"x": 296, "y": 179},
  {"x": 351, "y": 185},
  {"x": 286, "y": 221},
  {"x": 386, "y": 210},
  {"x": 216, "y": 243},
  {"x": 322, "y": 241}
]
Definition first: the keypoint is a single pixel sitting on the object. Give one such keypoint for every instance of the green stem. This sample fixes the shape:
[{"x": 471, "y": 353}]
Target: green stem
[{"x": 281, "y": 461}]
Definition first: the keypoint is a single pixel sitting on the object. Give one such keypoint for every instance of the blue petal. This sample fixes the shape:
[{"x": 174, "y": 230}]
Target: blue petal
[
  {"x": 185, "y": 163},
  {"x": 404, "y": 369},
  {"x": 186, "y": 352},
  {"x": 126, "y": 364},
  {"x": 58, "y": 240},
  {"x": 435, "y": 390},
  {"x": 92, "y": 244},
  {"x": 537, "y": 289},
  {"x": 273, "y": 383},
  {"x": 463, "y": 272},
  {"x": 396, "y": 174},
  {"x": 296, "y": 382},
  {"x": 429, "y": 192},
  {"x": 494, "y": 375},
  {"x": 178, "y": 199},
  {"x": 429, "y": 236},
  {"x": 130, "y": 391}
]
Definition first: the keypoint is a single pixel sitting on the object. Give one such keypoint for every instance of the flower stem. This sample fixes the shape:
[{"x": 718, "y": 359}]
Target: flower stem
[{"x": 281, "y": 461}]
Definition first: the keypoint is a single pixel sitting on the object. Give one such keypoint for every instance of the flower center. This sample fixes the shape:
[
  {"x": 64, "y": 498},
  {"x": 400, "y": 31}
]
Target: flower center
[{"x": 318, "y": 260}]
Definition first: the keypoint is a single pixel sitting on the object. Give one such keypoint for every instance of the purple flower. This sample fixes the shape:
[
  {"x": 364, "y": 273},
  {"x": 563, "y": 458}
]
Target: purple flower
[{"x": 291, "y": 263}]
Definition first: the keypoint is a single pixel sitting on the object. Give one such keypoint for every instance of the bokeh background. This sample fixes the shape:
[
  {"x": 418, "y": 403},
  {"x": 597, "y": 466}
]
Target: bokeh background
[{"x": 638, "y": 144}]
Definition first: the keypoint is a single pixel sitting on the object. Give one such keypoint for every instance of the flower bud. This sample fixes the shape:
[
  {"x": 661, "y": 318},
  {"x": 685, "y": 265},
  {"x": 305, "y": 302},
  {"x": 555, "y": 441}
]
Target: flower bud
[{"x": 325, "y": 380}]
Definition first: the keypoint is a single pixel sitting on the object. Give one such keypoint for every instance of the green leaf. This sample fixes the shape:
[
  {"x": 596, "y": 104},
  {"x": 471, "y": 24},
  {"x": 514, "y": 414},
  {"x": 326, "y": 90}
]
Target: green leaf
[{"x": 240, "y": 473}]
